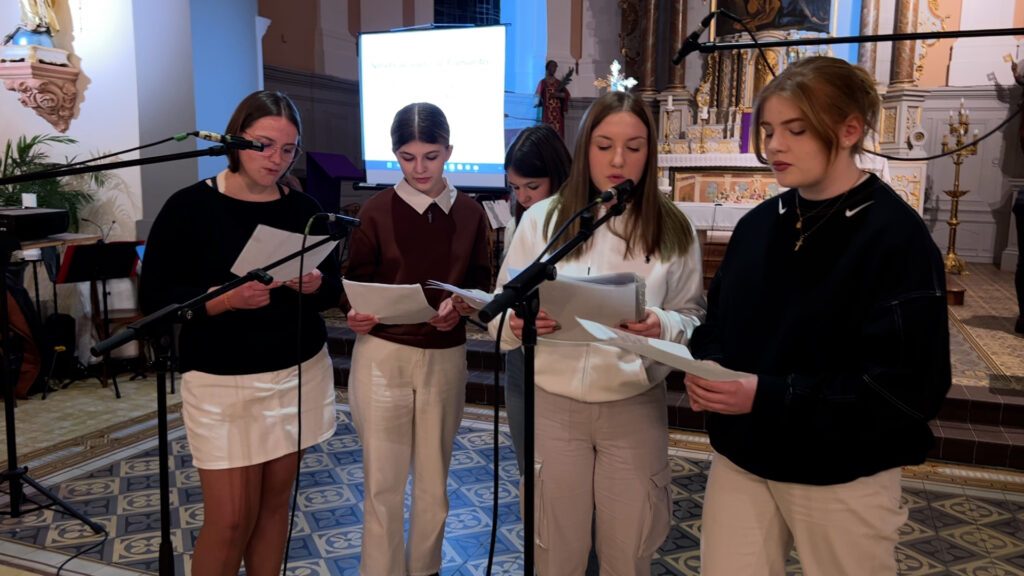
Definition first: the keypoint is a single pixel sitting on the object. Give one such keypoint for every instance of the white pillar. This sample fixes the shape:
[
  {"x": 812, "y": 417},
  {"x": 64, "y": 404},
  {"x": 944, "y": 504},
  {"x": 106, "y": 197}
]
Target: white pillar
[
  {"x": 601, "y": 20},
  {"x": 261, "y": 29},
  {"x": 559, "y": 35}
]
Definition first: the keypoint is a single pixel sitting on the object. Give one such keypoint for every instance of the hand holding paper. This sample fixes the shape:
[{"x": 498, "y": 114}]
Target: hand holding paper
[
  {"x": 390, "y": 303},
  {"x": 475, "y": 298},
  {"x": 669, "y": 353},
  {"x": 268, "y": 245}
]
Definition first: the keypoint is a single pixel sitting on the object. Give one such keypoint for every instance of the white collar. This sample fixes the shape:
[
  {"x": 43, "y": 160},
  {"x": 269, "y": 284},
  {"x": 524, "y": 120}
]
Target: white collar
[{"x": 420, "y": 201}]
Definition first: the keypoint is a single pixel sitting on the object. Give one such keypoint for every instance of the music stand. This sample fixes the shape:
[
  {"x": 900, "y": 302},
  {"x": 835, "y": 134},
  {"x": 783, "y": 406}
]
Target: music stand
[{"x": 98, "y": 263}]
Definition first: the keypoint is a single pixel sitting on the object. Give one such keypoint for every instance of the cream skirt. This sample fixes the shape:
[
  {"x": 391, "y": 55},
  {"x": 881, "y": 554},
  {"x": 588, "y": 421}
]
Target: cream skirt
[{"x": 235, "y": 421}]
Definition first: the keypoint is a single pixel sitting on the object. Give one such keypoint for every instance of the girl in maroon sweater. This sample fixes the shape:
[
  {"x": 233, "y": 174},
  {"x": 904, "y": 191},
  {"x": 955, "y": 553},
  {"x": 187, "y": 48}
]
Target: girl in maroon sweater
[{"x": 407, "y": 382}]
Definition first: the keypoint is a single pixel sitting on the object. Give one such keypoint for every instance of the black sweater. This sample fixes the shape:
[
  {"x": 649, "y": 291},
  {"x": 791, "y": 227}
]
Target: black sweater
[
  {"x": 193, "y": 243},
  {"x": 848, "y": 336}
]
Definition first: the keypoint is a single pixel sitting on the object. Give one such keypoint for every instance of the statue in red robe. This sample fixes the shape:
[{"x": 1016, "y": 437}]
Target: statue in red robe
[{"x": 553, "y": 98}]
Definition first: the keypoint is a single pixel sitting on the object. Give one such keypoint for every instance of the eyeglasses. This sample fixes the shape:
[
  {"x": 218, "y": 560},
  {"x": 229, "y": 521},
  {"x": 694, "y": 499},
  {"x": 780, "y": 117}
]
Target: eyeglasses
[{"x": 287, "y": 151}]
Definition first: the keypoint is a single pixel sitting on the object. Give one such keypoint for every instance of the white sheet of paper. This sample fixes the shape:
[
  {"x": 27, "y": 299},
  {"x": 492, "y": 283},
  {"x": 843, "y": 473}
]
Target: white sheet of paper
[
  {"x": 498, "y": 212},
  {"x": 268, "y": 245},
  {"x": 668, "y": 353},
  {"x": 390, "y": 303},
  {"x": 608, "y": 298},
  {"x": 474, "y": 297}
]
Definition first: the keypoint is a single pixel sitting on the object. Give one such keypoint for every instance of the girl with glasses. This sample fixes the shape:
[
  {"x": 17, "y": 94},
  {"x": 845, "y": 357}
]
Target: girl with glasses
[{"x": 239, "y": 361}]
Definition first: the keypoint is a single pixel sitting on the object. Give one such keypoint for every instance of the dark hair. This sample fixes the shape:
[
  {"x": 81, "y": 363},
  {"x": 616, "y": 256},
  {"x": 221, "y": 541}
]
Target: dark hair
[
  {"x": 827, "y": 91},
  {"x": 261, "y": 104},
  {"x": 549, "y": 64},
  {"x": 653, "y": 224},
  {"x": 422, "y": 122},
  {"x": 539, "y": 152}
]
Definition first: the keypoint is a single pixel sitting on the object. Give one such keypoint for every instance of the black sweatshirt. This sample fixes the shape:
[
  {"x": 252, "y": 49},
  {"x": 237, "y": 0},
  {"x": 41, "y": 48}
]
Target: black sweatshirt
[
  {"x": 848, "y": 336},
  {"x": 194, "y": 242}
]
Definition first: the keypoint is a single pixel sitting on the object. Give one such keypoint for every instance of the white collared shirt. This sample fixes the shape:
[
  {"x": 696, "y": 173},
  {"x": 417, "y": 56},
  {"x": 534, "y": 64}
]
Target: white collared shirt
[{"x": 420, "y": 201}]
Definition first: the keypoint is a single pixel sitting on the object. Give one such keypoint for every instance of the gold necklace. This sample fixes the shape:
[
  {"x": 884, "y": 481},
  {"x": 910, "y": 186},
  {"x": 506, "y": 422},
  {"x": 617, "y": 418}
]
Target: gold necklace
[
  {"x": 803, "y": 235},
  {"x": 839, "y": 200},
  {"x": 800, "y": 217}
]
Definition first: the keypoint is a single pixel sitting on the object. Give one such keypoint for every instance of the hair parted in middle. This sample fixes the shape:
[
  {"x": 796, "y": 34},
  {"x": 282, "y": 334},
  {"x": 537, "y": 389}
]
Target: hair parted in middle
[
  {"x": 828, "y": 91},
  {"x": 422, "y": 122},
  {"x": 653, "y": 224},
  {"x": 539, "y": 152}
]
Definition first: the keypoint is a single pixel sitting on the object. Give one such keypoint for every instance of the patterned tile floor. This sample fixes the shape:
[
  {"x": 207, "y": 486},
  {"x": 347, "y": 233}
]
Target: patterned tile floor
[{"x": 952, "y": 530}]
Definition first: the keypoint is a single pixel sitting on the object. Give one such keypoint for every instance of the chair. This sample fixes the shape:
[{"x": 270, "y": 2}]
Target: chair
[{"x": 96, "y": 264}]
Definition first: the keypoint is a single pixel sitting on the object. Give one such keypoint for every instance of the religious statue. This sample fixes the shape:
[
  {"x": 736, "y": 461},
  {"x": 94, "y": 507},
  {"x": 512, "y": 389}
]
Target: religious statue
[
  {"x": 39, "y": 16},
  {"x": 38, "y": 24},
  {"x": 553, "y": 98}
]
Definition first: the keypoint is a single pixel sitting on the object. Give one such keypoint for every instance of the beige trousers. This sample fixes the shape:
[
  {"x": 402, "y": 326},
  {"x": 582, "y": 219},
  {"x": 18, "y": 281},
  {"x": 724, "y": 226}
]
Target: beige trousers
[
  {"x": 406, "y": 405},
  {"x": 611, "y": 457},
  {"x": 750, "y": 524}
]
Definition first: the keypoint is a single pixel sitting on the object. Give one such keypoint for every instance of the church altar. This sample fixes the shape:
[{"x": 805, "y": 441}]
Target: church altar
[{"x": 715, "y": 190}]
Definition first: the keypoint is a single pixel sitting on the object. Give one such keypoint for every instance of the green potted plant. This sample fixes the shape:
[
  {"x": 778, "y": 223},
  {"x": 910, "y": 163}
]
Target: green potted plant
[{"x": 29, "y": 154}]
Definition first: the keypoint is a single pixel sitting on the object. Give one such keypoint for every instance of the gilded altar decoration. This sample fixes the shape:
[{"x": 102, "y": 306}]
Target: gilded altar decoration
[{"x": 724, "y": 187}]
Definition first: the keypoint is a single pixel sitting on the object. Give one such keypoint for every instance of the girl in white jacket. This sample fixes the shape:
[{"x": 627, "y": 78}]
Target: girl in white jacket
[{"x": 601, "y": 420}]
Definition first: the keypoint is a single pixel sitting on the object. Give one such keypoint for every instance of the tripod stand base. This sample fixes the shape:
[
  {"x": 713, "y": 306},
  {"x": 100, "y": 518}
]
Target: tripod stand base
[{"x": 20, "y": 475}]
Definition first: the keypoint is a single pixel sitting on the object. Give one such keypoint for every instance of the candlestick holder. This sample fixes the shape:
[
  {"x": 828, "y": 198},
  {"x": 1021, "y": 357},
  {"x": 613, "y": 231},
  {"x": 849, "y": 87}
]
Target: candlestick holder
[
  {"x": 959, "y": 125},
  {"x": 666, "y": 145}
]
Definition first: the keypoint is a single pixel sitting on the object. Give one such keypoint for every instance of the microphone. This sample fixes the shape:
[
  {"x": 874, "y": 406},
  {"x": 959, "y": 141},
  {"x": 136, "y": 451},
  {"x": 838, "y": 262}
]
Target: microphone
[
  {"x": 346, "y": 220},
  {"x": 230, "y": 141},
  {"x": 621, "y": 192},
  {"x": 692, "y": 42}
]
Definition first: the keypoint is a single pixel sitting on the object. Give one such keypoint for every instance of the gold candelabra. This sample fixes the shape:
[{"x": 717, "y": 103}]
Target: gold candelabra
[{"x": 959, "y": 124}]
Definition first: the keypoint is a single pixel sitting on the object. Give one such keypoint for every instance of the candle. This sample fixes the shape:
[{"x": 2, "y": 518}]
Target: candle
[
  {"x": 669, "y": 101},
  {"x": 951, "y": 116}
]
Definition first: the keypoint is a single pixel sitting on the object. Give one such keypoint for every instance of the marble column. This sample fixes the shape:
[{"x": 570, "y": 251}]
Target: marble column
[
  {"x": 902, "y": 71},
  {"x": 867, "y": 51},
  {"x": 677, "y": 35},
  {"x": 903, "y": 101},
  {"x": 648, "y": 48}
]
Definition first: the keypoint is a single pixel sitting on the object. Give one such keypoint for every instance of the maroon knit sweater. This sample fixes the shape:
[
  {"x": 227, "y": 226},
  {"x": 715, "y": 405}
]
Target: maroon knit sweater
[{"x": 397, "y": 245}]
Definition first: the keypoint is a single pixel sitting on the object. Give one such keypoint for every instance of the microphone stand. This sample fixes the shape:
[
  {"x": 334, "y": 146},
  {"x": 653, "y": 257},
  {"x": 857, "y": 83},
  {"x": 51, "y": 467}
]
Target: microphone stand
[
  {"x": 521, "y": 294},
  {"x": 157, "y": 329},
  {"x": 14, "y": 475},
  {"x": 709, "y": 47}
]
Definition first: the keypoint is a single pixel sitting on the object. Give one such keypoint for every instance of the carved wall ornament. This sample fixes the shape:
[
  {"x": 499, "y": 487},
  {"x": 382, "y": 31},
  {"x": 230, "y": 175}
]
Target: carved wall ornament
[{"x": 51, "y": 91}]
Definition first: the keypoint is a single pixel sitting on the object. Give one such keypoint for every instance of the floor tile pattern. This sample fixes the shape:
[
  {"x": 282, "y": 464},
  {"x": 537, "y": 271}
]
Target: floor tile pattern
[{"x": 951, "y": 530}]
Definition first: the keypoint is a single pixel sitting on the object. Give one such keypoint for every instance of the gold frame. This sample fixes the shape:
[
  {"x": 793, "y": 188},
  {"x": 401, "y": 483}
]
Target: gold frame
[{"x": 713, "y": 31}]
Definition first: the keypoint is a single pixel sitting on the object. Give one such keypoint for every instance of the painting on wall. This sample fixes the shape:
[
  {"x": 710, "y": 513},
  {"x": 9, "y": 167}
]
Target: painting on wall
[
  {"x": 764, "y": 15},
  {"x": 724, "y": 187}
]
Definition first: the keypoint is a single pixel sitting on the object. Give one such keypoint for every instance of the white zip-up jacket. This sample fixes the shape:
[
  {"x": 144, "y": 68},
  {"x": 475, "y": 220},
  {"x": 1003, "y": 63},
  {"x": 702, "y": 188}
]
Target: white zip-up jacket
[{"x": 592, "y": 372}]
